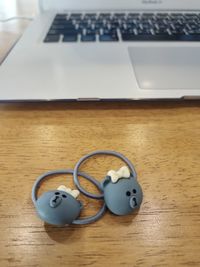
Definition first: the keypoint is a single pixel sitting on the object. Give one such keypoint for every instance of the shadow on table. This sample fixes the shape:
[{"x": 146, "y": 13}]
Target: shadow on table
[
  {"x": 125, "y": 220},
  {"x": 101, "y": 105},
  {"x": 64, "y": 234},
  {"x": 73, "y": 233}
]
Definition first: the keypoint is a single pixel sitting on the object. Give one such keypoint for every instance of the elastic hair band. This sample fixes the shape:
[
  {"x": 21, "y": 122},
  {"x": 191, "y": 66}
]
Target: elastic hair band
[{"x": 97, "y": 183}]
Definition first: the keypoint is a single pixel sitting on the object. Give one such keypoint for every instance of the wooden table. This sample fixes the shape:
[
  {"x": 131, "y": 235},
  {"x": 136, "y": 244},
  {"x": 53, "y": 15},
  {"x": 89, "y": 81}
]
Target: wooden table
[{"x": 162, "y": 139}]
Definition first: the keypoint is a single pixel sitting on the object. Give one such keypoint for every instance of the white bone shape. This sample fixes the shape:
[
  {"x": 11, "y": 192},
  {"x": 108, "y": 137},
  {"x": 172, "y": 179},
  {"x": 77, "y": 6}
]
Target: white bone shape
[
  {"x": 123, "y": 172},
  {"x": 73, "y": 193}
]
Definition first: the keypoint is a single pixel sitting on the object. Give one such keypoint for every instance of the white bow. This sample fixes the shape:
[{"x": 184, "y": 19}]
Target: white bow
[
  {"x": 123, "y": 172},
  {"x": 73, "y": 193}
]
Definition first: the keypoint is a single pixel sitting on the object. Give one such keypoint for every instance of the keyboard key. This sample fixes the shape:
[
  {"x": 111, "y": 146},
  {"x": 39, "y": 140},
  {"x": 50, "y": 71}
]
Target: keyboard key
[
  {"x": 144, "y": 32},
  {"x": 63, "y": 29},
  {"x": 190, "y": 15},
  {"x": 75, "y": 16},
  {"x": 176, "y": 15},
  {"x": 162, "y": 15},
  {"x": 133, "y": 15},
  {"x": 104, "y": 15},
  {"x": 70, "y": 38},
  {"x": 134, "y": 37},
  {"x": 109, "y": 37},
  {"x": 61, "y": 17},
  {"x": 119, "y": 15},
  {"x": 161, "y": 37},
  {"x": 52, "y": 38},
  {"x": 90, "y": 32},
  {"x": 53, "y": 32},
  {"x": 88, "y": 38},
  {"x": 90, "y": 16},
  {"x": 147, "y": 15}
]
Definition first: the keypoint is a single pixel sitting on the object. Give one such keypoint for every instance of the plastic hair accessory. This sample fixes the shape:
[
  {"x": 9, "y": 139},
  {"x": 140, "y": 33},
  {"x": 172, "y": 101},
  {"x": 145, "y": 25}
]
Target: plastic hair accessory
[
  {"x": 122, "y": 196},
  {"x": 121, "y": 190},
  {"x": 60, "y": 207}
]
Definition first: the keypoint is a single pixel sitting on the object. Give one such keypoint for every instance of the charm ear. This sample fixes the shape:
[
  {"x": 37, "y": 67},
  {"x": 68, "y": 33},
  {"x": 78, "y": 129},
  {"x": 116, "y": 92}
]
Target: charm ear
[
  {"x": 123, "y": 172},
  {"x": 63, "y": 188},
  {"x": 75, "y": 193},
  {"x": 105, "y": 181}
]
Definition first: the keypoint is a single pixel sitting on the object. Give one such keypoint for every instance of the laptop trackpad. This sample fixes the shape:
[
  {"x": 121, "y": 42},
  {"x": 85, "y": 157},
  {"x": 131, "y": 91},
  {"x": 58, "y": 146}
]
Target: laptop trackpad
[{"x": 166, "y": 67}]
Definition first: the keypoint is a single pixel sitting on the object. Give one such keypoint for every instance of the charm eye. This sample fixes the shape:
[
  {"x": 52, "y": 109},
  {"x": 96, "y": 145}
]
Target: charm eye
[
  {"x": 134, "y": 191},
  {"x": 57, "y": 193},
  {"x": 128, "y": 193},
  {"x": 64, "y": 196}
]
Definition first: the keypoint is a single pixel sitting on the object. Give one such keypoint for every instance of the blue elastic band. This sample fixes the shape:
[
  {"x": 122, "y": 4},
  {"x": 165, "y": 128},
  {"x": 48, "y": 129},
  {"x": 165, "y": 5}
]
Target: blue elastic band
[{"x": 99, "y": 152}]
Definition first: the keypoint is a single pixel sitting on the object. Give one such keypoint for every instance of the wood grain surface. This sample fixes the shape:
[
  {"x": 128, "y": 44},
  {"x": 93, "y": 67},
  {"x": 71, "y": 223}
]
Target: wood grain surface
[{"x": 162, "y": 139}]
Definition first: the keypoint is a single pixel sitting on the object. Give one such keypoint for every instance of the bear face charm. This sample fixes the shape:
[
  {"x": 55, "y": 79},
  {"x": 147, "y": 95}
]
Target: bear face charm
[
  {"x": 58, "y": 207},
  {"x": 122, "y": 192}
]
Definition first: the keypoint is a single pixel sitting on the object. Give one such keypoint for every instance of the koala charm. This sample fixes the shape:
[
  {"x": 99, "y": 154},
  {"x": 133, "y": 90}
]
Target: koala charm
[
  {"x": 59, "y": 207},
  {"x": 122, "y": 192}
]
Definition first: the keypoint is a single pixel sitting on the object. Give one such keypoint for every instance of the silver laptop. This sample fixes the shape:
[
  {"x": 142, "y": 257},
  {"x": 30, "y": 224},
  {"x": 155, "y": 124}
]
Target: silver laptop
[{"x": 106, "y": 50}]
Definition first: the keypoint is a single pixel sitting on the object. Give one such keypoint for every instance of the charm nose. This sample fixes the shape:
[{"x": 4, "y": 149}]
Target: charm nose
[
  {"x": 55, "y": 201},
  {"x": 133, "y": 202}
]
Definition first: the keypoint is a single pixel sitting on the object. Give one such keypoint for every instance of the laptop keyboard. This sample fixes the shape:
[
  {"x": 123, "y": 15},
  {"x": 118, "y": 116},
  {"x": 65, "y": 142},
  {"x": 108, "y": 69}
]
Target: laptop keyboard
[{"x": 115, "y": 27}]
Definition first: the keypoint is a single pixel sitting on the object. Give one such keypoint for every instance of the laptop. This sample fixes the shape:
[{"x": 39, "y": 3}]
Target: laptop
[{"x": 90, "y": 50}]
